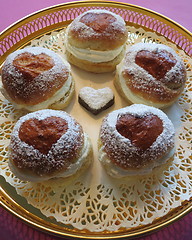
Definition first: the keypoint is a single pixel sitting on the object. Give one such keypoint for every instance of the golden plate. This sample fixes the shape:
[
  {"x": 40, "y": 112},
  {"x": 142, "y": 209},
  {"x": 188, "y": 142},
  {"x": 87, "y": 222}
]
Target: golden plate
[{"x": 53, "y": 19}]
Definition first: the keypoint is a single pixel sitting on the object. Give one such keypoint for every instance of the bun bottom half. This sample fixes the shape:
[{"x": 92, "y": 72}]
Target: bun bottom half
[
  {"x": 132, "y": 98},
  {"x": 62, "y": 103},
  {"x": 117, "y": 172}
]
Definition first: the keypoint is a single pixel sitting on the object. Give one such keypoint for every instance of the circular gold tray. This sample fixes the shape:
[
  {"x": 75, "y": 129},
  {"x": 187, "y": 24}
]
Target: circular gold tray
[{"x": 53, "y": 19}]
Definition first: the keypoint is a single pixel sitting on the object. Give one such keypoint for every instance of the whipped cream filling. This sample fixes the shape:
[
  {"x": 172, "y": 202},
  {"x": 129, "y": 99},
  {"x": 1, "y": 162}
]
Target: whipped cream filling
[
  {"x": 133, "y": 97},
  {"x": 118, "y": 172},
  {"x": 72, "y": 169},
  {"x": 93, "y": 55},
  {"x": 45, "y": 104}
]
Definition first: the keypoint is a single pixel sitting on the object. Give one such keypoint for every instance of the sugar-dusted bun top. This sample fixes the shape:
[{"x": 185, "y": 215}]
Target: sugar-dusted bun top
[
  {"x": 33, "y": 75},
  {"x": 154, "y": 71},
  {"x": 97, "y": 30},
  {"x": 135, "y": 136},
  {"x": 46, "y": 141}
]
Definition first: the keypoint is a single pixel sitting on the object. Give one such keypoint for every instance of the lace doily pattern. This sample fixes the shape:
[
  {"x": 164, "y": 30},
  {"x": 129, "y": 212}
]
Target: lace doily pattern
[{"x": 95, "y": 201}]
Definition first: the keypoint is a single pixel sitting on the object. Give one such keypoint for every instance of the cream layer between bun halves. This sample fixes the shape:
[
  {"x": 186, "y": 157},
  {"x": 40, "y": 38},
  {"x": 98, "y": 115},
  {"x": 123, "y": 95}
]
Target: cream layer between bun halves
[
  {"x": 35, "y": 78},
  {"x": 95, "y": 40}
]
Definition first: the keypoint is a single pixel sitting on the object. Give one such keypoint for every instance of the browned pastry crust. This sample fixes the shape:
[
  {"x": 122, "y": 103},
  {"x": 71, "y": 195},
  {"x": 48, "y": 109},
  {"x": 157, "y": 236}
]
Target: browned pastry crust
[
  {"x": 142, "y": 131},
  {"x": 42, "y": 134},
  {"x": 31, "y": 65}
]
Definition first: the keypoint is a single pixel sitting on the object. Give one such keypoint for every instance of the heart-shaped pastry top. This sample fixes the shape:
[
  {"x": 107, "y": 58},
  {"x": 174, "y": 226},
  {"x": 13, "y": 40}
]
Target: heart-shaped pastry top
[
  {"x": 96, "y": 101},
  {"x": 42, "y": 134},
  {"x": 157, "y": 62},
  {"x": 141, "y": 131},
  {"x": 98, "y": 22},
  {"x": 31, "y": 65}
]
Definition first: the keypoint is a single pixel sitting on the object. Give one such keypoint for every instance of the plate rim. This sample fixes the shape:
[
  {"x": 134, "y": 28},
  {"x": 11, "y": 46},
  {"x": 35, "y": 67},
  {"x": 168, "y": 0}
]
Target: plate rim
[
  {"x": 34, "y": 15},
  {"x": 4, "y": 196},
  {"x": 84, "y": 234}
]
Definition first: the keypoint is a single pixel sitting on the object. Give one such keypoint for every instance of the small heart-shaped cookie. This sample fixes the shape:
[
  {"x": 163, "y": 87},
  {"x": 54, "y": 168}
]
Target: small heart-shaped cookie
[
  {"x": 142, "y": 131},
  {"x": 96, "y": 101},
  {"x": 42, "y": 134}
]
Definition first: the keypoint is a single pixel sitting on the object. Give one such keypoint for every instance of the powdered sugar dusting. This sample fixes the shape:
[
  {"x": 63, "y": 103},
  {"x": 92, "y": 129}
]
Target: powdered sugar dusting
[
  {"x": 60, "y": 154},
  {"x": 121, "y": 148},
  {"x": 96, "y": 99}
]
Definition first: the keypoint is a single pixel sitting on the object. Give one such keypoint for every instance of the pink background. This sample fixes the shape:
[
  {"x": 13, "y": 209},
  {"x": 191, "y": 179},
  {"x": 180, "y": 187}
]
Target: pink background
[
  {"x": 13, "y": 10},
  {"x": 178, "y": 10}
]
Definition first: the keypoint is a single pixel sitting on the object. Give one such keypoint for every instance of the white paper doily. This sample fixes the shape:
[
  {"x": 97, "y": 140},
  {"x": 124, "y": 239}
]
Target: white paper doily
[{"x": 95, "y": 201}]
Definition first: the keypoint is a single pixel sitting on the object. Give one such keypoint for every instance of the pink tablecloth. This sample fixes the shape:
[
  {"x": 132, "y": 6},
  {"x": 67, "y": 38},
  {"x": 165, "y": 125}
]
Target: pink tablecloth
[
  {"x": 11, "y": 11},
  {"x": 11, "y": 228}
]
